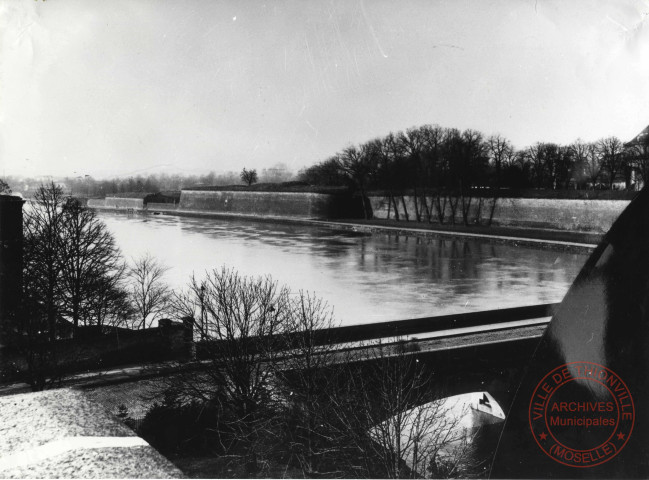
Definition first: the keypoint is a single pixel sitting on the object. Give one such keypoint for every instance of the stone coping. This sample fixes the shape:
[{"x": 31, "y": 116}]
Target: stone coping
[{"x": 61, "y": 434}]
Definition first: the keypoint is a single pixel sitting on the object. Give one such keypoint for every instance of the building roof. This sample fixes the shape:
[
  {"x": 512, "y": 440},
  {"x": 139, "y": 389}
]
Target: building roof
[{"x": 640, "y": 138}]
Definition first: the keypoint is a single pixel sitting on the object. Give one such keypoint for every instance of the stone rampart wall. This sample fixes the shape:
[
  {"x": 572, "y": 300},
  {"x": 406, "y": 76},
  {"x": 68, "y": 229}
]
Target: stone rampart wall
[
  {"x": 563, "y": 214},
  {"x": 154, "y": 206},
  {"x": 279, "y": 204},
  {"x": 116, "y": 203}
]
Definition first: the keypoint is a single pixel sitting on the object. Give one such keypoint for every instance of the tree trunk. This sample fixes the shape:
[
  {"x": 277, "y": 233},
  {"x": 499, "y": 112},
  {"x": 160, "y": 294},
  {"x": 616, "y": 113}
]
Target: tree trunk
[
  {"x": 417, "y": 213},
  {"x": 453, "y": 206},
  {"x": 478, "y": 214},
  {"x": 466, "y": 206},
  {"x": 51, "y": 311},
  {"x": 364, "y": 206},
  {"x": 493, "y": 206},
  {"x": 364, "y": 203},
  {"x": 405, "y": 209},
  {"x": 75, "y": 317},
  {"x": 441, "y": 208},
  {"x": 396, "y": 210},
  {"x": 394, "y": 202},
  {"x": 429, "y": 215}
]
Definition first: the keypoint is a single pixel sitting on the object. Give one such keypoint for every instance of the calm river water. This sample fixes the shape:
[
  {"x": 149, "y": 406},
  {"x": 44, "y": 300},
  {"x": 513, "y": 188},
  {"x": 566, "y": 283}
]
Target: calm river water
[{"x": 364, "y": 277}]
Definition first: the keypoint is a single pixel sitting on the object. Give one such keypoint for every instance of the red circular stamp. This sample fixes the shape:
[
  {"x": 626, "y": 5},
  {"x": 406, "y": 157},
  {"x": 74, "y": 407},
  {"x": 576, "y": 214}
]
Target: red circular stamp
[{"x": 581, "y": 414}]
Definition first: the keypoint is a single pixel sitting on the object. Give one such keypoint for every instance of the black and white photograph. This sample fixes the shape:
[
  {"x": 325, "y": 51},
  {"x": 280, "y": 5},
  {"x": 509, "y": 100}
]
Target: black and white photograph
[{"x": 324, "y": 239}]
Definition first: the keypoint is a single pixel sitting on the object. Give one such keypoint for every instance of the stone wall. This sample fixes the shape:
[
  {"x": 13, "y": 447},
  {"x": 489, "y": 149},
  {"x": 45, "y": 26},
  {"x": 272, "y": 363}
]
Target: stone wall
[
  {"x": 162, "y": 207},
  {"x": 279, "y": 204},
  {"x": 563, "y": 214},
  {"x": 170, "y": 340},
  {"x": 117, "y": 203},
  {"x": 93, "y": 350}
]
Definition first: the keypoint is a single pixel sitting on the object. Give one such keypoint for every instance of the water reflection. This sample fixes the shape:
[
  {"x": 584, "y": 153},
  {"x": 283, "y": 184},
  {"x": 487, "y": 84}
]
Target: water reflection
[{"x": 367, "y": 278}]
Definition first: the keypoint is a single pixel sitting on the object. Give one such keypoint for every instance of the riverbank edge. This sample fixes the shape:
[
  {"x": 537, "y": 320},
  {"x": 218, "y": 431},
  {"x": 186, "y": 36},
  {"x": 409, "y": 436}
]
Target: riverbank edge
[
  {"x": 577, "y": 242},
  {"x": 549, "y": 238}
]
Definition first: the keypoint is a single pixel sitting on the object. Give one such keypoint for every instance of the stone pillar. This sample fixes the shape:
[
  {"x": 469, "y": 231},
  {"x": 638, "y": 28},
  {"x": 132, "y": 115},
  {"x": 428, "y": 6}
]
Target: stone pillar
[
  {"x": 190, "y": 346},
  {"x": 11, "y": 258}
]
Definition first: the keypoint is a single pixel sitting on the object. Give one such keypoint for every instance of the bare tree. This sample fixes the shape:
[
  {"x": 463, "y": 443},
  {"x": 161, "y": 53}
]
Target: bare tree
[
  {"x": 469, "y": 168},
  {"x": 424, "y": 441},
  {"x": 593, "y": 164},
  {"x": 241, "y": 322},
  {"x": 579, "y": 150},
  {"x": 359, "y": 164},
  {"x": 265, "y": 376},
  {"x": 396, "y": 421},
  {"x": 42, "y": 227},
  {"x": 391, "y": 151},
  {"x": 69, "y": 260},
  {"x": 638, "y": 152},
  {"x": 414, "y": 143},
  {"x": 149, "y": 294},
  {"x": 613, "y": 158},
  {"x": 559, "y": 162},
  {"x": 306, "y": 378},
  {"x": 5, "y": 189},
  {"x": 248, "y": 176},
  {"x": 89, "y": 256},
  {"x": 500, "y": 151},
  {"x": 533, "y": 156},
  {"x": 326, "y": 172},
  {"x": 238, "y": 319},
  {"x": 110, "y": 303}
]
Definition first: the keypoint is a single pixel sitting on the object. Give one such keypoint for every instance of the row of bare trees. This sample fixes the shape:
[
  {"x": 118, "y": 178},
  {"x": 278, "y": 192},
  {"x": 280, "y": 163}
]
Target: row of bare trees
[{"x": 434, "y": 158}]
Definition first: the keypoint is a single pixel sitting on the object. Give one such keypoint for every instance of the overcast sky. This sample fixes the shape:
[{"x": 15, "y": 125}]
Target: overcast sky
[{"x": 142, "y": 86}]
